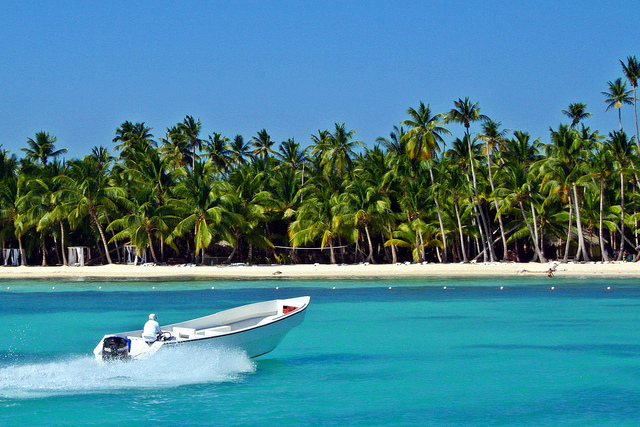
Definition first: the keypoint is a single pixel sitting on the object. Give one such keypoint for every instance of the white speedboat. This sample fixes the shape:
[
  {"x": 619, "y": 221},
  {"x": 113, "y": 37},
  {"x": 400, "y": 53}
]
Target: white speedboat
[{"x": 255, "y": 328}]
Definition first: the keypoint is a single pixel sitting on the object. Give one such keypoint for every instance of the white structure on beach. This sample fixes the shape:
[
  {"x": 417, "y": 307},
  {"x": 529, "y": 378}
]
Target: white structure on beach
[
  {"x": 78, "y": 255},
  {"x": 131, "y": 255},
  {"x": 11, "y": 257}
]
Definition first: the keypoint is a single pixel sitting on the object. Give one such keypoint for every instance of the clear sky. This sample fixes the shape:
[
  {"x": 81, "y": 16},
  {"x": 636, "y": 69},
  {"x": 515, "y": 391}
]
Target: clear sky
[{"x": 78, "y": 70}]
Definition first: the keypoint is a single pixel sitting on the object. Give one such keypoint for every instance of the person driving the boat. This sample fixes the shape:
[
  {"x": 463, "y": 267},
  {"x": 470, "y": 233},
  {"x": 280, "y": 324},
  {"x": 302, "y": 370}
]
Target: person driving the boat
[{"x": 151, "y": 331}]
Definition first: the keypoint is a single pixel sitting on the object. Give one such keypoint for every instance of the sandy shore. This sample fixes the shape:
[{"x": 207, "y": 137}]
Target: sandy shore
[{"x": 613, "y": 269}]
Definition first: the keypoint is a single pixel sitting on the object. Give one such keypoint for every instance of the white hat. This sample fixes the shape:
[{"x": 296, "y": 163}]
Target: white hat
[{"x": 152, "y": 316}]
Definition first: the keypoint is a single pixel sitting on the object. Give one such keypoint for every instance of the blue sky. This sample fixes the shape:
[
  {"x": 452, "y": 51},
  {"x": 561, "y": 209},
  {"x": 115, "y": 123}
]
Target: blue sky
[{"x": 79, "y": 69}]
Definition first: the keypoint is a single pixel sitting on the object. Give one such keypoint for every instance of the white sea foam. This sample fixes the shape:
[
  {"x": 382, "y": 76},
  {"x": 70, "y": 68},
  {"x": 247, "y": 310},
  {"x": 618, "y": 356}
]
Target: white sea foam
[{"x": 168, "y": 368}]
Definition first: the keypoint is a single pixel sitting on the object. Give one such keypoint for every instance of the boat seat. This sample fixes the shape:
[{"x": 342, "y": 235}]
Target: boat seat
[
  {"x": 181, "y": 332},
  {"x": 213, "y": 331}
]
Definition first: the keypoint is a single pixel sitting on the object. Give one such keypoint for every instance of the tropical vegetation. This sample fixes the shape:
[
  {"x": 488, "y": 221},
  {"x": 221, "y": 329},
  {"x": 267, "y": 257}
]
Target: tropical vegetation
[{"x": 454, "y": 186}]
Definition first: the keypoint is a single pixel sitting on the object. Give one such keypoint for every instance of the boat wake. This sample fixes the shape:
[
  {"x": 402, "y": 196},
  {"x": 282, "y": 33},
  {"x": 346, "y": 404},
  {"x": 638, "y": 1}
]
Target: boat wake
[{"x": 82, "y": 375}]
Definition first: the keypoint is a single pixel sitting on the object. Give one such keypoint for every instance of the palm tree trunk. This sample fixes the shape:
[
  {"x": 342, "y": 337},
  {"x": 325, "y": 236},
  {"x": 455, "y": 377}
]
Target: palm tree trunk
[
  {"x": 44, "y": 251},
  {"x": 535, "y": 241},
  {"x": 113, "y": 233},
  {"x": 394, "y": 254},
  {"x": 535, "y": 231},
  {"x": 153, "y": 252},
  {"x": 333, "y": 255},
  {"x": 579, "y": 226},
  {"x": 635, "y": 113},
  {"x": 102, "y": 236},
  {"x": 23, "y": 258},
  {"x": 444, "y": 237},
  {"x": 495, "y": 201},
  {"x": 418, "y": 246},
  {"x": 64, "y": 251},
  {"x": 476, "y": 200},
  {"x": 55, "y": 245},
  {"x": 483, "y": 221},
  {"x": 603, "y": 251},
  {"x": 621, "y": 217},
  {"x": 568, "y": 244},
  {"x": 463, "y": 249},
  {"x": 480, "y": 228},
  {"x": 620, "y": 118},
  {"x": 370, "y": 256}
]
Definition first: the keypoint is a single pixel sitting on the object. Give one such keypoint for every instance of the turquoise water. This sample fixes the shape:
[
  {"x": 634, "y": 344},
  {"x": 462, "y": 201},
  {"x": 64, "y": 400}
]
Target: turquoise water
[{"x": 415, "y": 354}]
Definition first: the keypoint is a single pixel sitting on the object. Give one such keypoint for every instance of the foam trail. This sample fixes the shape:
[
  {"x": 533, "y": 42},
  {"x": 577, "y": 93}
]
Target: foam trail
[{"x": 170, "y": 368}]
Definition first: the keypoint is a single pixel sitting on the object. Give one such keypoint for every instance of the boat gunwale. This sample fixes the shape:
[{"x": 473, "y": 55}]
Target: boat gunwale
[{"x": 226, "y": 334}]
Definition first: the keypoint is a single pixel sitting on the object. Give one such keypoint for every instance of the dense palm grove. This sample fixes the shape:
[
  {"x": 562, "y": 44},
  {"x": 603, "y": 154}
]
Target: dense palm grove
[{"x": 491, "y": 195}]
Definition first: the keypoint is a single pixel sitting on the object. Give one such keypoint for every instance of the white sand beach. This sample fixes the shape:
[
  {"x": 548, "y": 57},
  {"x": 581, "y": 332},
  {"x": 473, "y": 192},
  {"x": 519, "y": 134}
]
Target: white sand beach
[{"x": 613, "y": 269}]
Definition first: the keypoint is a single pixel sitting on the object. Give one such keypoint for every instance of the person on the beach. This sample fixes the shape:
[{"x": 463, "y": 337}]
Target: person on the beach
[
  {"x": 550, "y": 273},
  {"x": 151, "y": 331}
]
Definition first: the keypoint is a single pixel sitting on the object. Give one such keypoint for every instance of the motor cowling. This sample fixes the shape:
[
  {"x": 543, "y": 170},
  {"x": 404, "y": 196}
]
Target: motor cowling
[{"x": 115, "y": 348}]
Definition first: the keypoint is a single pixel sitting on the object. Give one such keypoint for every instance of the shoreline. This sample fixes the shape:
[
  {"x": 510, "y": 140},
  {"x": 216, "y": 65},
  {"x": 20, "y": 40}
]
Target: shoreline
[{"x": 319, "y": 271}]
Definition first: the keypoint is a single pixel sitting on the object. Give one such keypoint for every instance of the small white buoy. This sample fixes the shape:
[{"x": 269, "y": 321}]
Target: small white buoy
[
  {"x": 501, "y": 287},
  {"x": 8, "y": 287},
  {"x": 277, "y": 287},
  {"x": 53, "y": 287},
  {"x": 334, "y": 287},
  {"x": 212, "y": 287},
  {"x": 153, "y": 287},
  {"x": 389, "y": 287},
  {"x": 444, "y": 287},
  {"x": 552, "y": 288},
  {"x": 608, "y": 287},
  {"x": 99, "y": 287}
]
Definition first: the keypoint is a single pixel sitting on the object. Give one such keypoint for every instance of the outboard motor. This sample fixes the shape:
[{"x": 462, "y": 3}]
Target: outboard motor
[{"x": 115, "y": 348}]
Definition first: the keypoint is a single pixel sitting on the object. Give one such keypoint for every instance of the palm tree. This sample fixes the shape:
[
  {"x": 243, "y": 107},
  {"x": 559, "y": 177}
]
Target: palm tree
[
  {"x": 217, "y": 150},
  {"x": 576, "y": 112},
  {"x": 423, "y": 141},
  {"x": 601, "y": 169},
  {"x": 38, "y": 202},
  {"x": 198, "y": 205},
  {"x": 464, "y": 112},
  {"x": 337, "y": 150},
  {"x": 290, "y": 154},
  {"x": 415, "y": 204},
  {"x": 175, "y": 148},
  {"x": 363, "y": 205},
  {"x": 520, "y": 148},
  {"x": 240, "y": 151},
  {"x": 316, "y": 217},
  {"x": 262, "y": 144},
  {"x": 623, "y": 152},
  {"x": 86, "y": 190},
  {"x": 245, "y": 208},
  {"x": 190, "y": 129},
  {"x": 632, "y": 72},
  {"x": 12, "y": 212},
  {"x": 455, "y": 185},
  {"x": 494, "y": 138},
  {"x": 143, "y": 220},
  {"x": 394, "y": 143},
  {"x": 516, "y": 190},
  {"x": 133, "y": 138},
  {"x": 617, "y": 96},
  {"x": 42, "y": 148},
  {"x": 560, "y": 172}
]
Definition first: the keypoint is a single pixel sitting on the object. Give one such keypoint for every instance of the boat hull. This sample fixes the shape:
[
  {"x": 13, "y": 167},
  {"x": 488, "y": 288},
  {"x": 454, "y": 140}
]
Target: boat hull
[
  {"x": 256, "y": 329},
  {"x": 255, "y": 341}
]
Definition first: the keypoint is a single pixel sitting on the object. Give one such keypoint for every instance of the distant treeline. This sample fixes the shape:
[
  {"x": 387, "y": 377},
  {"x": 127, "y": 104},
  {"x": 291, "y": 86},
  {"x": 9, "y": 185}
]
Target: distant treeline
[{"x": 492, "y": 195}]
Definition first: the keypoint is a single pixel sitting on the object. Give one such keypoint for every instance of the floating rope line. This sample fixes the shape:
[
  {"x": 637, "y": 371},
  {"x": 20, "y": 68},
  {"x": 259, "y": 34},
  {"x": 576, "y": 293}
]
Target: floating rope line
[{"x": 311, "y": 249}]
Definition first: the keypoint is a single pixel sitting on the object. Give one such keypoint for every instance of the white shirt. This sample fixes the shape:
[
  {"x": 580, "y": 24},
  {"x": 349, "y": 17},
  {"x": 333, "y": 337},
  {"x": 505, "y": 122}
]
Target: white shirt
[{"x": 151, "y": 330}]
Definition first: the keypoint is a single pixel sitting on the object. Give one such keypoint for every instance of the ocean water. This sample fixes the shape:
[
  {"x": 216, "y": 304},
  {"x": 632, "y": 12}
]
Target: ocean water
[{"x": 370, "y": 352}]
